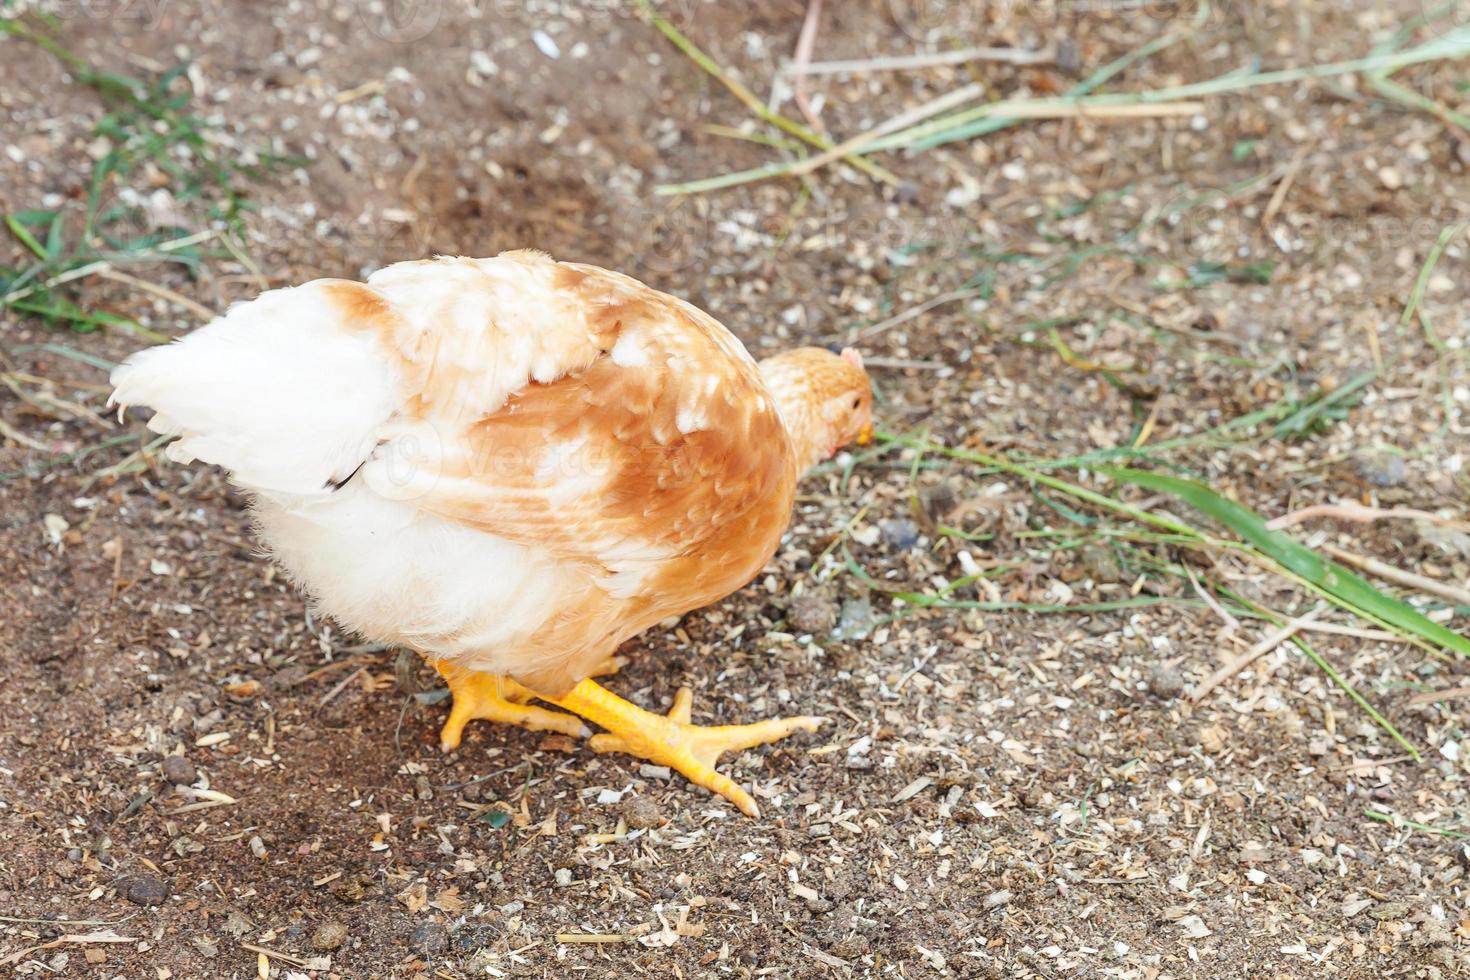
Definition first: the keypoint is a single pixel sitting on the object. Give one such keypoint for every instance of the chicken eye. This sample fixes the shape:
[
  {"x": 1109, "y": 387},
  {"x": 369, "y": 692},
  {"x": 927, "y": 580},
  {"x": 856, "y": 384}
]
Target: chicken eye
[{"x": 857, "y": 403}]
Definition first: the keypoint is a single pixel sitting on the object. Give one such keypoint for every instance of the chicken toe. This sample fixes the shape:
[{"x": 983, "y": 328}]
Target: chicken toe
[
  {"x": 489, "y": 697},
  {"x": 672, "y": 741}
]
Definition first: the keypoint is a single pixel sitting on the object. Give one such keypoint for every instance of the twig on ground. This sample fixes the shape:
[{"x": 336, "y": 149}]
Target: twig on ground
[
  {"x": 1338, "y": 629},
  {"x": 92, "y": 268},
  {"x": 241, "y": 256},
  {"x": 906, "y": 62},
  {"x": 948, "y": 100},
  {"x": 904, "y": 364},
  {"x": 1014, "y": 109},
  {"x": 1349, "y": 510},
  {"x": 92, "y": 937},
  {"x": 1231, "y": 623},
  {"x": 749, "y": 98},
  {"x": 10, "y": 432},
  {"x": 1387, "y": 572},
  {"x": 204, "y": 313},
  {"x": 1450, "y": 45},
  {"x": 1448, "y": 694},
  {"x": 341, "y": 686},
  {"x": 942, "y": 299},
  {"x": 1273, "y": 640},
  {"x": 804, "y": 44},
  {"x": 1278, "y": 196}
]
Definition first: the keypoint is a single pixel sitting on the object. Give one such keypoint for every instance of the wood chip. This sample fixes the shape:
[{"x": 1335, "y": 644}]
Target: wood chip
[{"x": 913, "y": 789}]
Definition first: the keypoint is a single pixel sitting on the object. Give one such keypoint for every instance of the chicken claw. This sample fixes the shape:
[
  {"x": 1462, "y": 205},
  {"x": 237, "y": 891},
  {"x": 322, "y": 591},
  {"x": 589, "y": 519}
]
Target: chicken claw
[
  {"x": 490, "y": 697},
  {"x": 672, "y": 741}
]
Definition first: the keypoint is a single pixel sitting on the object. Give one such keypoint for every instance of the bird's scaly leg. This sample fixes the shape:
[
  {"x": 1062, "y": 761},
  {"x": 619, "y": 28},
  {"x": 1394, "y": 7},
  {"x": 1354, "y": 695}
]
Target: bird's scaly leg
[
  {"x": 495, "y": 698},
  {"x": 672, "y": 741}
]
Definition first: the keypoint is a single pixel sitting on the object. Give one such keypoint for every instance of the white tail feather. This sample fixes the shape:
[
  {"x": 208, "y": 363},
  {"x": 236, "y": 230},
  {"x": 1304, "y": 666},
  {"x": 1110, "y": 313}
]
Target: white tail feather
[{"x": 277, "y": 390}]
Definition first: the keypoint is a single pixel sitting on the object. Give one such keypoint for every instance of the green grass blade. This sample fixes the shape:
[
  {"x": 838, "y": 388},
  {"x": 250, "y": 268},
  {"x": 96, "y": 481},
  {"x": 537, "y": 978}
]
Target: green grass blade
[
  {"x": 940, "y": 600},
  {"x": 1314, "y": 411},
  {"x": 1358, "y": 699},
  {"x": 1332, "y": 578},
  {"x": 1396, "y": 821},
  {"x": 23, "y": 233},
  {"x": 1421, "y": 283},
  {"x": 61, "y": 350}
]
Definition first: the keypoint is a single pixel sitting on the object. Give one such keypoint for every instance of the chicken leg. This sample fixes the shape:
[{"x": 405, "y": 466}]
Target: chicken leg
[
  {"x": 672, "y": 741},
  {"x": 490, "y": 697}
]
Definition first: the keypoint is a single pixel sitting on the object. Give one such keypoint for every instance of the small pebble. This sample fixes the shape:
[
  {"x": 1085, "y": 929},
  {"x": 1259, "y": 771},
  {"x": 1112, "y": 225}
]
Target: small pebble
[
  {"x": 328, "y": 936},
  {"x": 641, "y": 813},
  {"x": 1165, "y": 682},
  {"x": 811, "y": 614},
  {"x": 1389, "y": 911},
  {"x": 856, "y": 620},
  {"x": 901, "y": 535},
  {"x": 146, "y": 890},
  {"x": 940, "y": 500},
  {"x": 1383, "y": 469},
  {"x": 179, "y": 770}
]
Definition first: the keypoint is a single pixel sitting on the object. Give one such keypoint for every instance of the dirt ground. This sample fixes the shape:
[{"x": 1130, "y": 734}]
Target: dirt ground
[{"x": 188, "y": 761}]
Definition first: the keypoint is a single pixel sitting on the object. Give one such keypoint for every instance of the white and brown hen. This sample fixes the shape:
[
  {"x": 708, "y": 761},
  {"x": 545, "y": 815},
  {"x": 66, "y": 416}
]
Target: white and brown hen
[{"x": 511, "y": 465}]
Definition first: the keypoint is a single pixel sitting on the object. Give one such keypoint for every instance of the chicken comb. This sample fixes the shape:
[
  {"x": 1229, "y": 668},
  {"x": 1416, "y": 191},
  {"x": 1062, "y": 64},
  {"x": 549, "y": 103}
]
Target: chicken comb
[{"x": 851, "y": 356}]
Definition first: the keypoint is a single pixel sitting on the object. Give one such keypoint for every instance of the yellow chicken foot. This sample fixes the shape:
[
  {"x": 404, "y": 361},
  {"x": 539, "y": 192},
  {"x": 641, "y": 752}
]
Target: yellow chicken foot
[
  {"x": 671, "y": 740},
  {"x": 490, "y": 697}
]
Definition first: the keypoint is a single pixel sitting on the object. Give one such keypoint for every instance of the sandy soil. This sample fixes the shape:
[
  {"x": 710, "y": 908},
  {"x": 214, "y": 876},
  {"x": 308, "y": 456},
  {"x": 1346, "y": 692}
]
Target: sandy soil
[{"x": 188, "y": 761}]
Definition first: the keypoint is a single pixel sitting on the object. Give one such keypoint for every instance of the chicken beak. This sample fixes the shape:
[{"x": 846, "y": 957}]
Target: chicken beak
[{"x": 865, "y": 434}]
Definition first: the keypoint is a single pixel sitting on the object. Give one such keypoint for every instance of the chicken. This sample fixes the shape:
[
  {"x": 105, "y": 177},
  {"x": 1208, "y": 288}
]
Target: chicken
[{"x": 510, "y": 465}]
